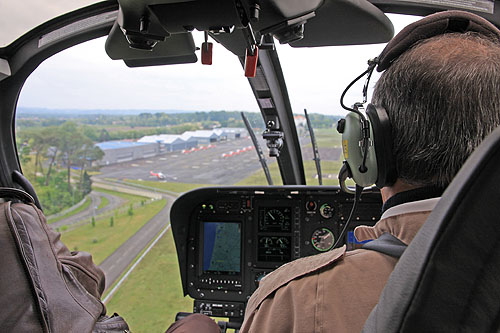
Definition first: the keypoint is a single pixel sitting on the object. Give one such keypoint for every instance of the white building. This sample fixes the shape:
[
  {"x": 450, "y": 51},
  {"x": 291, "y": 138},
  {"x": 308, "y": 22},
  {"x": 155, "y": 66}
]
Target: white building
[{"x": 170, "y": 142}]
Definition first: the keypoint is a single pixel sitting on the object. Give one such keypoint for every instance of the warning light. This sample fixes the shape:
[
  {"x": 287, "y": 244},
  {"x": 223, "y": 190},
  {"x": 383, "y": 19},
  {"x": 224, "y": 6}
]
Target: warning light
[{"x": 311, "y": 205}]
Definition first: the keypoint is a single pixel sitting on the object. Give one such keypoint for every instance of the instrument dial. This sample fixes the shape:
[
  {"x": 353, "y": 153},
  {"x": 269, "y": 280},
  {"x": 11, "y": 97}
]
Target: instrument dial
[
  {"x": 273, "y": 217},
  {"x": 326, "y": 211},
  {"x": 322, "y": 239},
  {"x": 311, "y": 206}
]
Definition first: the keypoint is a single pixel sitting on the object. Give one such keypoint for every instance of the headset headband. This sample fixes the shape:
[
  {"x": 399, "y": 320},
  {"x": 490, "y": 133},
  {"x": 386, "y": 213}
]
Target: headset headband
[{"x": 434, "y": 25}]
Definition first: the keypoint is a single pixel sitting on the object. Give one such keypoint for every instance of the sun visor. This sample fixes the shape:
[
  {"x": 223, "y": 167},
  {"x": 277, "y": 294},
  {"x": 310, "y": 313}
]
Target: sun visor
[
  {"x": 346, "y": 22},
  {"x": 176, "y": 49}
]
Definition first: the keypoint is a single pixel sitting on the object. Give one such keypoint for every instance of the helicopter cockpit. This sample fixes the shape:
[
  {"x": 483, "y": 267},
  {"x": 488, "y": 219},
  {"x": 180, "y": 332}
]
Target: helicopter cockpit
[{"x": 229, "y": 238}]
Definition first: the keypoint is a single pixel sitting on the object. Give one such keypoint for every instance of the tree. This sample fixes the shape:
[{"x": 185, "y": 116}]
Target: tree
[
  {"x": 84, "y": 157},
  {"x": 86, "y": 183},
  {"x": 52, "y": 138},
  {"x": 71, "y": 142}
]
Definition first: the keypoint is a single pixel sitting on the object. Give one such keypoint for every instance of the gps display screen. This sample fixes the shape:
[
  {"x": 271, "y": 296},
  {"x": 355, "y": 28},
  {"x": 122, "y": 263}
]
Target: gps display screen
[{"x": 222, "y": 247}]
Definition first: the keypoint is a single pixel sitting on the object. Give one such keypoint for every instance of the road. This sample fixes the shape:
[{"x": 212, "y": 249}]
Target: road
[
  {"x": 95, "y": 197},
  {"x": 114, "y": 265}
]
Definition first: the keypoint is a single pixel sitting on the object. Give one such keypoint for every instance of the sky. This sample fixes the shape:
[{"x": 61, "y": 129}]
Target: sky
[{"x": 84, "y": 77}]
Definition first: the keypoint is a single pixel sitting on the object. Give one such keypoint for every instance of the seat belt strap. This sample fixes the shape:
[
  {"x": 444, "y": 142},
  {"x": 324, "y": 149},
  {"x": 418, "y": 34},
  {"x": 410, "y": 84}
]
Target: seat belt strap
[{"x": 387, "y": 244}]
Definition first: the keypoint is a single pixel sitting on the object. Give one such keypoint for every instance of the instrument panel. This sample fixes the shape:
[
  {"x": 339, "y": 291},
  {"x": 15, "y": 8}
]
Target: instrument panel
[{"x": 228, "y": 238}]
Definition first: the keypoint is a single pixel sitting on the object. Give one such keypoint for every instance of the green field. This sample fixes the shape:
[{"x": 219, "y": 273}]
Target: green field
[
  {"x": 104, "y": 239},
  {"x": 104, "y": 203},
  {"x": 327, "y": 138},
  {"x": 329, "y": 170},
  {"x": 152, "y": 295},
  {"x": 129, "y": 197},
  {"x": 169, "y": 186}
]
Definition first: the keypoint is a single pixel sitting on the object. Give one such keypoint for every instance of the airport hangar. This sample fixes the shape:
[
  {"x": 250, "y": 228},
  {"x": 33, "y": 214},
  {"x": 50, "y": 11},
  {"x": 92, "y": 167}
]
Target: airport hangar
[{"x": 152, "y": 145}]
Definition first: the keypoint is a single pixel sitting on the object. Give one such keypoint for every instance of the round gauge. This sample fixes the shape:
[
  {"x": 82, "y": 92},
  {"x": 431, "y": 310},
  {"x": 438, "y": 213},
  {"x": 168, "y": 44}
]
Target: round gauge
[
  {"x": 326, "y": 211},
  {"x": 322, "y": 239},
  {"x": 266, "y": 241},
  {"x": 311, "y": 205},
  {"x": 274, "y": 216},
  {"x": 283, "y": 242}
]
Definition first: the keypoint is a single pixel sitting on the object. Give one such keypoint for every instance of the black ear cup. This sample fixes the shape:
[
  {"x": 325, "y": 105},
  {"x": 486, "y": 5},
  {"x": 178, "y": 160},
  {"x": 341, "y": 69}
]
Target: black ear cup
[{"x": 382, "y": 142}]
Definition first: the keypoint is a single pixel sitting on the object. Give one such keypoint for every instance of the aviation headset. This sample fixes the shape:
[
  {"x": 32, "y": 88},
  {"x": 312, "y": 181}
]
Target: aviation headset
[{"x": 366, "y": 136}]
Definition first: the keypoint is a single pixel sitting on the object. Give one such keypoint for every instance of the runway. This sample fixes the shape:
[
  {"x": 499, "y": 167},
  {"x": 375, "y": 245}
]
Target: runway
[
  {"x": 222, "y": 165},
  {"x": 203, "y": 166}
]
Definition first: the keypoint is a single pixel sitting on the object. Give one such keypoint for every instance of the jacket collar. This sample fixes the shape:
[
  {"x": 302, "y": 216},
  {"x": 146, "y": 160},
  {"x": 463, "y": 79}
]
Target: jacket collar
[
  {"x": 416, "y": 194},
  {"x": 402, "y": 221}
]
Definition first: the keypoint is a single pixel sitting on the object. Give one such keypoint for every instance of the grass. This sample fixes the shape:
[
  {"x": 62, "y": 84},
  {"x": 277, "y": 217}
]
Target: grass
[
  {"x": 152, "y": 295},
  {"x": 169, "y": 186},
  {"x": 329, "y": 170},
  {"x": 129, "y": 197},
  {"x": 259, "y": 177},
  {"x": 84, "y": 206},
  {"x": 327, "y": 138},
  {"x": 104, "y": 203},
  {"x": 102, "y": 240}
]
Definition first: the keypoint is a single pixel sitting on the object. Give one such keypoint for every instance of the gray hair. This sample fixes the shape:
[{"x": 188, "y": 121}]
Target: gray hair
[{"x": 442, "y": 97}]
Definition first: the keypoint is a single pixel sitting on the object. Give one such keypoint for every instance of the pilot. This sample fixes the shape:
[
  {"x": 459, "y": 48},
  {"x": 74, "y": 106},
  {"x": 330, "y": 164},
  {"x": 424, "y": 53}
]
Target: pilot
[{"x": 440, "y": 89}]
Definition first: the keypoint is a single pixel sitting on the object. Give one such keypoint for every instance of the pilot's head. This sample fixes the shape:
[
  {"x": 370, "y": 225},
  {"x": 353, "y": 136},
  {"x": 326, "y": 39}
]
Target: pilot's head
[{"x": 442, "y": 96}]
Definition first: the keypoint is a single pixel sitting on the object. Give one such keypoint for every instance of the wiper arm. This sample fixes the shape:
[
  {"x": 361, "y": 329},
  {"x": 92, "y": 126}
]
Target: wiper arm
[
  {"x": 258, "y": 149},
  {"x": 315, "y": 149}
]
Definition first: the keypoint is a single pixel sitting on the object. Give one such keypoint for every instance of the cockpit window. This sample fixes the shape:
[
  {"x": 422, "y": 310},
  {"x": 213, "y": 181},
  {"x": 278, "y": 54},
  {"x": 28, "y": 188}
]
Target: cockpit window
[{"x": 168, "y": 127}]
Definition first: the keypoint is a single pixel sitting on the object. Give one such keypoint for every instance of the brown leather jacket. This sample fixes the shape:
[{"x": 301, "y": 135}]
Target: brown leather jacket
[
  {"x": 334, "y": 291},
  {"x": 44, "y": 287}
]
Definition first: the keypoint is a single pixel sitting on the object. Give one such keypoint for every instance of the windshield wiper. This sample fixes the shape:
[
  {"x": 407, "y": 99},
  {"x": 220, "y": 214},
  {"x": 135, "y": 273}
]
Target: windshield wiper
[
  {"x": 258, "y": 149},
  {"x": 315, "y": 148}
]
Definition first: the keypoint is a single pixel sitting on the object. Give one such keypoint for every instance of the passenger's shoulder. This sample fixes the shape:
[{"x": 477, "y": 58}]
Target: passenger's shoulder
[{"x": 291, "y": 271}]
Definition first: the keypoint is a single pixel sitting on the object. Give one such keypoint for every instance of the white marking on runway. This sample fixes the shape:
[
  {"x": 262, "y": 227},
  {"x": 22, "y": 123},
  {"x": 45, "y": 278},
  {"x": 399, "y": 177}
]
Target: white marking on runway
[
  {"x": 163, "y": 159},
  {"x": 134, "y": 165}
]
